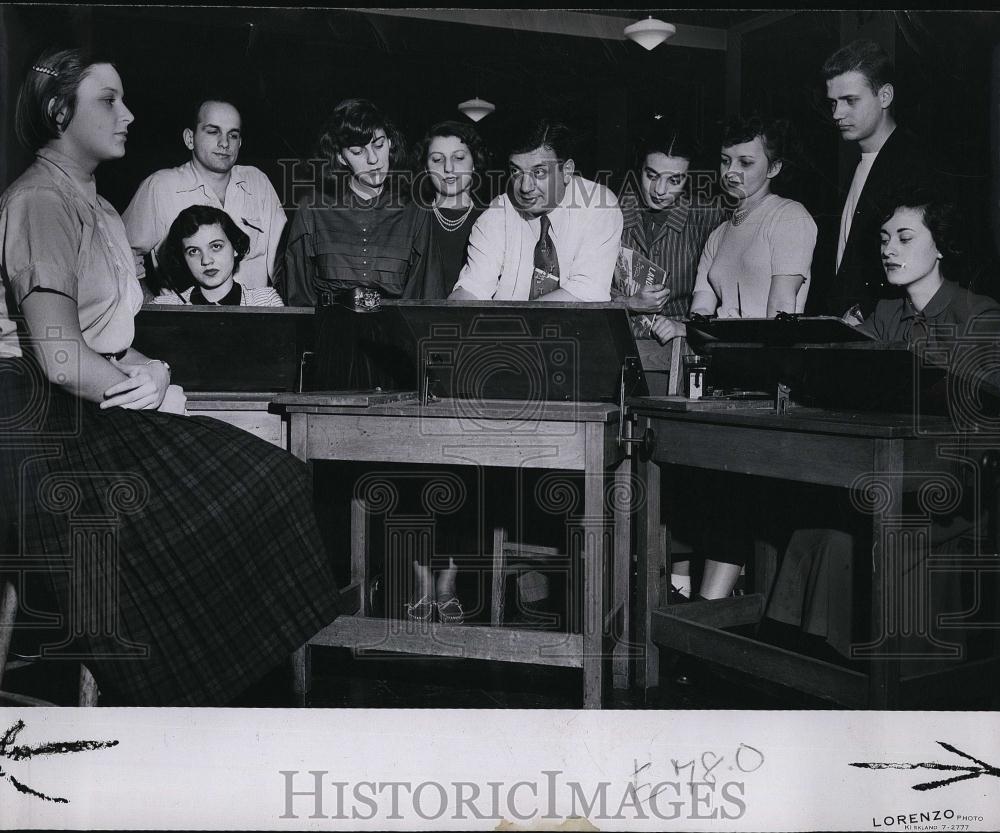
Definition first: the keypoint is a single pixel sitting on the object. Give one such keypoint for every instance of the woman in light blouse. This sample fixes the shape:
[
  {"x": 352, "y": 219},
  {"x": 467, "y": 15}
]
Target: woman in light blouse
[
  {"x": 757, "y": 263},
  {"x": 217, "y": 572}
]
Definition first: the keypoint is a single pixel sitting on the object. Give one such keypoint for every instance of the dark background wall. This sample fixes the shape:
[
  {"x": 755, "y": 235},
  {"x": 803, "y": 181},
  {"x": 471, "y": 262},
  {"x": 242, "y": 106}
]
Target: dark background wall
[{"x": 287, "y": 67}]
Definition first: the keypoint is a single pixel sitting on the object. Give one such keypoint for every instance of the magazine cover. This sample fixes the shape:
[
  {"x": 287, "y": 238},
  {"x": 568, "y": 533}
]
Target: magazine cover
[{"x": 633, "y": 271}]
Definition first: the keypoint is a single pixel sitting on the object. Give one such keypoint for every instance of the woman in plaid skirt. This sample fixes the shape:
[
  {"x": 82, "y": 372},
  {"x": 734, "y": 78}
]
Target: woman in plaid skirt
[{"x": 182, "y": 553}]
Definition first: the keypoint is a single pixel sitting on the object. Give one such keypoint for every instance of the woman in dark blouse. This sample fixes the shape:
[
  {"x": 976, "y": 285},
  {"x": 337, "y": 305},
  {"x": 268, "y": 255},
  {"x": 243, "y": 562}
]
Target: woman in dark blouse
[
  {"x": 816, "y": 582},
  {"x": 453, "y": 159},
  {"x": 360, "y": 230}
]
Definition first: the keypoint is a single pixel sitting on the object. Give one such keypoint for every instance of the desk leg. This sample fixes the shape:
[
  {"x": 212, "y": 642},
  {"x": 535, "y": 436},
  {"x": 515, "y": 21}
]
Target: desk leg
[
  {"x": 298, "y": 438},
  {"x": 594, "y": 569},
  {"x": 648, "y": 573},
  {"x": 298, "y": 435},
  {"x": 359, "y": 553},
  {"x": 883, "y": 679},
  {"x": 622, "y": 571},
  {"x": 301, "y": 674}
]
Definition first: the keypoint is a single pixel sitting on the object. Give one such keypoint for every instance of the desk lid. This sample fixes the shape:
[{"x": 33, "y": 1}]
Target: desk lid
[
  {"x": 785, "y": 331},
  {"x": 531, "y": 351}
]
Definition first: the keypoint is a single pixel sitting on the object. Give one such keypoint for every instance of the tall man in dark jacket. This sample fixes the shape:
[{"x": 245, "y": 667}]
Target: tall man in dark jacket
[{"x": 860, "y": 92}]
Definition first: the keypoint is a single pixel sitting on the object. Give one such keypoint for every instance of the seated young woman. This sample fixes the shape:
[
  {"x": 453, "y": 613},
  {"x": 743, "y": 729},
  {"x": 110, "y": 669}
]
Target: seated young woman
[
  {"x": 755, "y": 265},
  {"x": 453, "y": 159},
  {"x": 218, "y": 572},
  {"x": 204, "y": 245},
  {"x": 361, "y": 230},
  {"x": 815, "y": 588}
]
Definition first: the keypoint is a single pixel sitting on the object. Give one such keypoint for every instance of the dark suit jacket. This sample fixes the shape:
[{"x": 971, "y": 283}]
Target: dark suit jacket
[{"x": 861, "y": 278}]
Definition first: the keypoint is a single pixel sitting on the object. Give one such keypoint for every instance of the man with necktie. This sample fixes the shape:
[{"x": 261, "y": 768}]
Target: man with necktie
[{"x": 553, "y": 236}]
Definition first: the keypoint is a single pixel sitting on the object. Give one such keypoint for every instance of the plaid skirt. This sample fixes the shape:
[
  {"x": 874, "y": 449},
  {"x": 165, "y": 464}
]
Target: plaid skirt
[{"x": 182, "y": 554}]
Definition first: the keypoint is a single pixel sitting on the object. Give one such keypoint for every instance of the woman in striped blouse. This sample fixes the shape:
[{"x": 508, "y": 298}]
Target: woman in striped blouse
[{"x": 669, "y": 227}]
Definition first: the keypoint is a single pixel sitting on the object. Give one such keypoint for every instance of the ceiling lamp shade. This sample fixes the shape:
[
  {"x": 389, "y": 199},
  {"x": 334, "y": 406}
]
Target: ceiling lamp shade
[
  {"x": 476, "y": 108},
  {"x": 650, "y": 33}
]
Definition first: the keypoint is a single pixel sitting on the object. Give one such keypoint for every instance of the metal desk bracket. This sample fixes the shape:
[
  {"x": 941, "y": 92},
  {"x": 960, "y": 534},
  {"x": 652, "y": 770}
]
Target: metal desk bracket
[
  {"x": 626, "y": 421},
  {"x": 783, "y": 402}
]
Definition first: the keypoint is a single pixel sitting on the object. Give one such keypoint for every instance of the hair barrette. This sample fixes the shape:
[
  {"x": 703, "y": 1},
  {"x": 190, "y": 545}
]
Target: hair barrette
[{"x": 45, "y": 70}]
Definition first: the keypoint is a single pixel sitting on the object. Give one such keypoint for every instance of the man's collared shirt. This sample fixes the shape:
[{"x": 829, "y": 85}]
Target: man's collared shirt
[
  {"x": 585, "y": 229},
  {"x": 251, "y": 202}
]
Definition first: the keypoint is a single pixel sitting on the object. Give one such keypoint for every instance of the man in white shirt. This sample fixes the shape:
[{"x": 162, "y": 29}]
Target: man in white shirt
[
  {"x": 860, "y": 93},
  {"x": 211, "y": 177},
  {"x": 553, "y": 236}
]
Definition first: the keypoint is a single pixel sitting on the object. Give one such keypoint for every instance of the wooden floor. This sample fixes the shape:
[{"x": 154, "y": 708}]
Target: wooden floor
[
  {"x": 341, "y": 681},
  {"x": 379, "y": 681}
]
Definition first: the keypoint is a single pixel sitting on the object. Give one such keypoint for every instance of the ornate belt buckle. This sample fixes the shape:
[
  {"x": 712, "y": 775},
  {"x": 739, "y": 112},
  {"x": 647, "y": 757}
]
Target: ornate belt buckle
[
  {"x": 367, "y": 299},
  {"x": 360, "y": 299}
]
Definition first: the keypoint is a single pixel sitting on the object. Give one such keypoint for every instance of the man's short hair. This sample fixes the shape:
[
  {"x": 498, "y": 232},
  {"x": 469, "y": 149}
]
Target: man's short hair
[
  {"x": 544, "y": 133},
  {"x": 195, "y": 111},
  {"x": 864, "y": 56}
]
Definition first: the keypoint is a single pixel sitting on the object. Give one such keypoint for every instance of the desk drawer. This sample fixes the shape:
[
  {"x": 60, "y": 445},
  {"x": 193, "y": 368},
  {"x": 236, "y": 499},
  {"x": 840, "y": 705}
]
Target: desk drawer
[
  {"x": 550, "y": 445},
  {"x": 267, "y": 426}
]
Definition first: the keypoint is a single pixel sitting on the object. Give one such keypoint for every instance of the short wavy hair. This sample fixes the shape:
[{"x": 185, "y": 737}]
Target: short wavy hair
[
  {"x": 54, "y": 77},
  {"x": 939, "y": 212},
  {"x": 186, "y": 224},
  {"x": 354, "y": 121},
  {"x": 775, "y": 135},
  {"x": 465, "y": 133}
]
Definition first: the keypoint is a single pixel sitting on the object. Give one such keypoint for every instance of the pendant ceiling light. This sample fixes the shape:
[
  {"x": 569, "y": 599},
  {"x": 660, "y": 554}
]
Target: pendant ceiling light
[
  {"x": 476, "y": 108},
  {"x": 650, "y": 33}
]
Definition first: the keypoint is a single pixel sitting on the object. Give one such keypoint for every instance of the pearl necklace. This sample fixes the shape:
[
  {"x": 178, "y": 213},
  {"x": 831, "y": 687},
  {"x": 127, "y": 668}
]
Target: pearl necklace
[
  {"x": 451, "y": 225},
  {"x": 742, "y": 213}
]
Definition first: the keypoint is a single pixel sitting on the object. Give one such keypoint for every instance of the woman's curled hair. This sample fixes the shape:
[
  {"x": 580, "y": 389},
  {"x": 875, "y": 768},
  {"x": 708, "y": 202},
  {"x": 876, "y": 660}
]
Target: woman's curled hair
[
  {"x": 939, "y": 212},
  {"x": 172, "y": 261}
]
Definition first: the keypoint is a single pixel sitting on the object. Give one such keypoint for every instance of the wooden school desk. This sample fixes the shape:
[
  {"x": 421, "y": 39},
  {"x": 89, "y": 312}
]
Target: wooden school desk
[
  {"x": 804, "y": 445},
  {"x": 231, "y": 361},
  {"x": 573, "y": 436}
]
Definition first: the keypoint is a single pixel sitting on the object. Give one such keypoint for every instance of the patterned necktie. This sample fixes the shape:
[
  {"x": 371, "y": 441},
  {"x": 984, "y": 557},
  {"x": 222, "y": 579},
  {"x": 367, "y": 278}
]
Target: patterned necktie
[{"x": 546, "y": 263}]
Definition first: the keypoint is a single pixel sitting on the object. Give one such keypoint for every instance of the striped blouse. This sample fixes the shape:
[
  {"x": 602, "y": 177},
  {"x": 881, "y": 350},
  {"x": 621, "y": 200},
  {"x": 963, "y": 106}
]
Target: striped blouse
[
  {"x": 264, "y": 296},
  {"x": 675, "y": 244}
]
